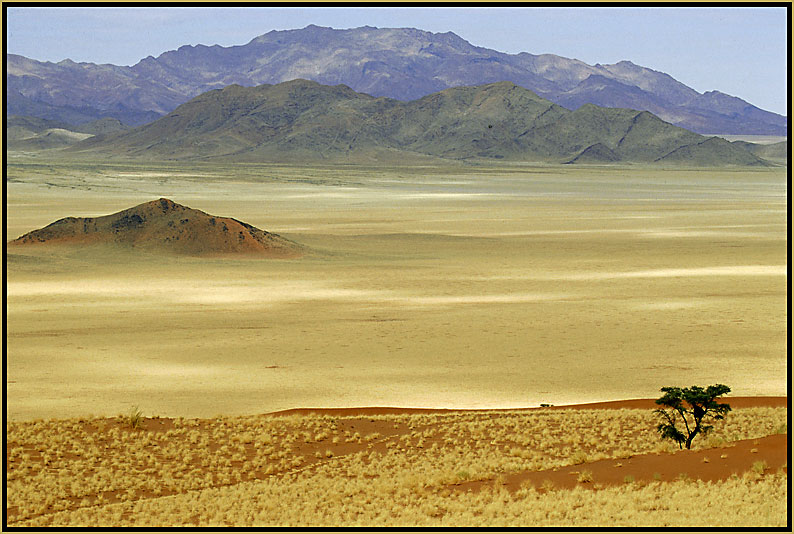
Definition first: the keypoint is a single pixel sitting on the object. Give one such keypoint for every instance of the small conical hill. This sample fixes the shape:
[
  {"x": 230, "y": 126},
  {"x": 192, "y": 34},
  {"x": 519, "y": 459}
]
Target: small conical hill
[{"x": 163, "y": 225}]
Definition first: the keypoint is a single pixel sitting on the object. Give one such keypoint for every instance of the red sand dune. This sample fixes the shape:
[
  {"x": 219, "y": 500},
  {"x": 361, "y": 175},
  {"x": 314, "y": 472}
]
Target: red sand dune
[
  {"x": 714, "y": 464},
  {"x": 735, "y": 402},
  {"x": 165, "y": 226},
  {"x": 720, "y": 463}
]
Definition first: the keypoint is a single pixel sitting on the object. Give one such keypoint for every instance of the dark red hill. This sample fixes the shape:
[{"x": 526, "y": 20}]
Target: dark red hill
[{"x": 167, "y": 226}]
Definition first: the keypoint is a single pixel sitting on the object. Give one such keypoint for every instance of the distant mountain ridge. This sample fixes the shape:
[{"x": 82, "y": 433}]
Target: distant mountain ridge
[
  {"x": 33, "y": 133},
  {"x": 302, "y": 120},
  {"x": 400, "y": 63}
]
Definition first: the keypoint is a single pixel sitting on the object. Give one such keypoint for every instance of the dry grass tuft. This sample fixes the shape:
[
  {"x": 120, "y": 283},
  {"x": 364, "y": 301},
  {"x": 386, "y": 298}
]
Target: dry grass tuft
[
  {"x": 585, "y": 477},
  {"x": 135, "y": 418}
]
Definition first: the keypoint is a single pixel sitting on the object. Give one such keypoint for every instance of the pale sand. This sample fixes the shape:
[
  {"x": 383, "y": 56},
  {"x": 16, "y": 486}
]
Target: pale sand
[
  {"x": 726, "y": 270},
  {"x": 549, "y": 290}
]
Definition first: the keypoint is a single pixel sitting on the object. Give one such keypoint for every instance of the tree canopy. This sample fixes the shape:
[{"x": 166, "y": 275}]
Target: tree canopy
[{"x": 693, "y": 407}]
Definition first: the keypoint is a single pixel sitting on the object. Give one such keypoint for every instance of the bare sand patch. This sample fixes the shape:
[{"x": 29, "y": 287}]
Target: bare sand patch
[
  {"x": 441, "y": 195},
  {"x": 670, "y": 305},
  {"x": 477, "y": 299},
  {"x": 67, "y": 133},
  {"x": 196, "y": 291},
  {"x": 722, "y": 270},
  {"x": 161, "y": 175}
]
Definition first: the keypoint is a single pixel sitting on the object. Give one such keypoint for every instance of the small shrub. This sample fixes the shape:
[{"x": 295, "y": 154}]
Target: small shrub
[
  {"x": 623, "y": 453},
  {"x": 585, "y": 477},
  {"x": 579, "y": 457},
  {"x": 527, "y": 485},
  {"x": 760, "y": 467},
  {"x": 714, "y": 441},
  {"x": 628, "y": 479},
  {"x": 135, "y": 417}
]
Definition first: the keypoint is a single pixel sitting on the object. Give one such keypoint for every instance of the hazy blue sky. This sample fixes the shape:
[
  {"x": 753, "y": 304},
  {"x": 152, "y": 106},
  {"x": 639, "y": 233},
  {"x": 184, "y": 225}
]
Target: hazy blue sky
[{"x": 741, "y": 51}]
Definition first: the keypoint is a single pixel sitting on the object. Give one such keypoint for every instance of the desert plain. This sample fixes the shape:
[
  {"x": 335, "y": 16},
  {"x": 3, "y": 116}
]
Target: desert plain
[{"x": 442, "y": 287}]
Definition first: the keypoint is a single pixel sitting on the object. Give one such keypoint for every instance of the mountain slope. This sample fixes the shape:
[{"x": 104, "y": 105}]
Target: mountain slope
[
  {"x": 265, "y": 119},
  {"x": 51, "y": 138},
  {"x": 400, "y": 63},
  {"x": 163, "y": 225},
  {"x": 33, "y": 133},
  {"x": 597, "y": 153},
  {"x": 22, "y": 127},
  {"x": 711, "y": 151},
  {"x": 775, "y": 152},
  {"x": 19, "y": 104},
  {"x": 302, "y": 120}
]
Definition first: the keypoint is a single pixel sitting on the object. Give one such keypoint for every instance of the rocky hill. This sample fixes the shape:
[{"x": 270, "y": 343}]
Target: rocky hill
[
  {"x": 304, "y": 121},
  {"x": 163, "y": 225},
  {"x": 33, "y": 133},
  {"x": 400, "y": 63}
]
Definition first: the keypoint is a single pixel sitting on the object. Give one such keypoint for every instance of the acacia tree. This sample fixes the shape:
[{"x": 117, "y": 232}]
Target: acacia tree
[{"x": 693, "y": 407}]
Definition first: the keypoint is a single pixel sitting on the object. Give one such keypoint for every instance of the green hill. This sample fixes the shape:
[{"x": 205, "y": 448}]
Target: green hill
[
  {"x": 597, "y": 153},
  {"x": 775, "y": 152},
  {"x": 305, "y": 121},
  {"x": 712, "y": 151}
]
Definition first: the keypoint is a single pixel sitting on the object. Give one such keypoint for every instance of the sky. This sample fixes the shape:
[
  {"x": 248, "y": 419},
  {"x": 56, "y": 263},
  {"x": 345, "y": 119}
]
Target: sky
[{"x": 741, "y": 51}]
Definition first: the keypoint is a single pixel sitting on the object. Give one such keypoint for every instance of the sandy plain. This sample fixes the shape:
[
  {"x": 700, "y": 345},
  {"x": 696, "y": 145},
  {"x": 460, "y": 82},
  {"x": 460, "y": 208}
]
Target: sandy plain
[{"x": 454, "y": 287}]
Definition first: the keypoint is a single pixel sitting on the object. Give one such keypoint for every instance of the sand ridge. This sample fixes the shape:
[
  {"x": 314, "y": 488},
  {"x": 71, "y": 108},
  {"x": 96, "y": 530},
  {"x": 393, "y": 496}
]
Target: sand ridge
[
  {"x": 627, "y": 404},
  {"x": 714, "y": 464}
]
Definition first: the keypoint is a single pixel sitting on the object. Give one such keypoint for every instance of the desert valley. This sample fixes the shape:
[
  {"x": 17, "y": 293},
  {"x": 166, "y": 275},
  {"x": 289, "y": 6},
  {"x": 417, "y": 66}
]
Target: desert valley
[{"x": 299, "y": 304}]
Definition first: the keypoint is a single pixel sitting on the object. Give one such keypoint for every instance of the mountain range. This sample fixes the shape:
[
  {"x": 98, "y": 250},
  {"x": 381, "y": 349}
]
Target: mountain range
[
  {"x": 399, "y": 63},
  {"x": 301, "y": 120}
]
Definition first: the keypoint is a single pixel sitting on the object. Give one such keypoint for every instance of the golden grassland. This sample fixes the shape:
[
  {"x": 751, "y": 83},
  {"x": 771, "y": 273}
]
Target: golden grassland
[
  {"x": 321, "y": 470},
  {"x": 466, "y": 287}
]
